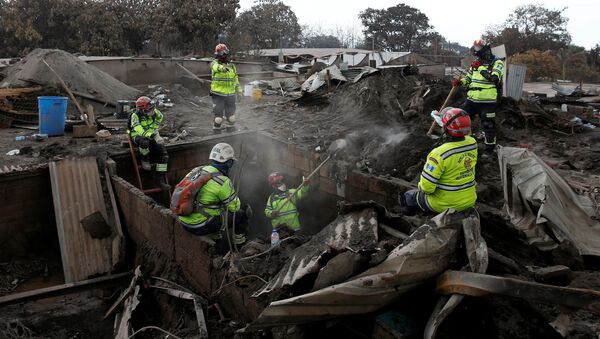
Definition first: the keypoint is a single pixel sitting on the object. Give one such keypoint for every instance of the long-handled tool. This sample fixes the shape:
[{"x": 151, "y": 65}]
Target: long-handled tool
[
  {"x": 335, "y": 147},
  {"x": 84, "y": 115},
  {"x": 446, "y": 103}
]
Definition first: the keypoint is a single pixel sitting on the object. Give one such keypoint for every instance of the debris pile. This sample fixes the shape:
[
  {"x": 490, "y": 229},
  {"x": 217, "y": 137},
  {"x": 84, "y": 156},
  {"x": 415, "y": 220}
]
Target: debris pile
[{"x": 81, "y": 77}]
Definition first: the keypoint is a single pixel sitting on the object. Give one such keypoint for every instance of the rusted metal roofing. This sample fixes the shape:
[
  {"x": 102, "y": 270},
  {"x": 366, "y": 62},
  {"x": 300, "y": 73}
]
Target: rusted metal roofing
[{"x": 77, "y": 193}]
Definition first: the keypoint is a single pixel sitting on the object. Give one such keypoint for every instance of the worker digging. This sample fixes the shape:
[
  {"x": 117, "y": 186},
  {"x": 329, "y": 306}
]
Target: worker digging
[{"x": 231, "y": 173}]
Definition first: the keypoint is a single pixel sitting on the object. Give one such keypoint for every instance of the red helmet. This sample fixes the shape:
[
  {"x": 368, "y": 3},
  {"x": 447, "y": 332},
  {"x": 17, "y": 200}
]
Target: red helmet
[
  {"x": 479, "y": 44},
  {"x": 144, "y": 104},
  {"x": 456, "y": 122},
  {"x": 275, "y": 179}
]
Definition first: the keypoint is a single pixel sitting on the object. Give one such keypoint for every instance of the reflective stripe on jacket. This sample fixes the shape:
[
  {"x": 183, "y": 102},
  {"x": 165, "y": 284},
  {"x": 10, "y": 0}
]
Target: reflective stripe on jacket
[
  {"x": 144, "y": 125},
  {"x": 448, "y": 178},
  {"x": 479, "y": 89},
  {"x": 224, "y": 79},
  {"x": 289, "y": 214},
  {"x": 212, "y": 198}
]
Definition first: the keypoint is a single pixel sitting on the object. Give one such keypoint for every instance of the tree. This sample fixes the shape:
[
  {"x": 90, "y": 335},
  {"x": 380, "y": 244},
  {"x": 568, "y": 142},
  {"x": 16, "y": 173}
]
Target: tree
[
  {"x": 399, "y": 28},
  {"x": 531, "y": 27},
  {"x": 540, "y": 65},
  {"x": 267, "y": 24},
  {"x": 321, "y": 41}
]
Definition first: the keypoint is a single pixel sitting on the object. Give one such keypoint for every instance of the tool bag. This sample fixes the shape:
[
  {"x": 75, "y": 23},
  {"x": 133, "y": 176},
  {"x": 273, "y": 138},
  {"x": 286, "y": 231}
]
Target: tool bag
[{"x": 182, "y": 200}]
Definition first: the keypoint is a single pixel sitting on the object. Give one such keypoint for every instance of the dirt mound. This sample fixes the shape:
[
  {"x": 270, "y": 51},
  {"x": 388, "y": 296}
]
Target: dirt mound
[{"x": 79, "y": 75}]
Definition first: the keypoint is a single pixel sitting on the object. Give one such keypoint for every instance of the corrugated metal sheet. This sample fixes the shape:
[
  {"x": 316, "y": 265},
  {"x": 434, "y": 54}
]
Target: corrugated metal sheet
[
  {"x": 77, "y": 193},
  {"x": 356, "y": 230},
  {"x": 515, "y": 80}
]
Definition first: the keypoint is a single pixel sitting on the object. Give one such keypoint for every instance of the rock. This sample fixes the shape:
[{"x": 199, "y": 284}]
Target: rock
[
  {"x": 253, "y": 248},
  {"x": 553, "y": 275},
  {"x": 96, "y": 226},
  {"x": 378, "y": 257},
  {"x": 340, "y": 268},
  {"x": 566, "y": 254}
]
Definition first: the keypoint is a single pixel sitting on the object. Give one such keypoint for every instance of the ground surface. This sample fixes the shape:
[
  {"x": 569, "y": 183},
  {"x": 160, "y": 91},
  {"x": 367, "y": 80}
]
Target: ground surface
[{"x": 385, "y": 119}]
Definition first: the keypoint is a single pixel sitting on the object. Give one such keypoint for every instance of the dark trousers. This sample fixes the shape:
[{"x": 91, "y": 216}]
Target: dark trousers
[
  {"x": 223, "y": 106},
  {"x": 413, "y": 201},
  {"x": 487, "y": 115},
  {"x": 150, "y": 149},
  {"x": 214, "y": 227}
]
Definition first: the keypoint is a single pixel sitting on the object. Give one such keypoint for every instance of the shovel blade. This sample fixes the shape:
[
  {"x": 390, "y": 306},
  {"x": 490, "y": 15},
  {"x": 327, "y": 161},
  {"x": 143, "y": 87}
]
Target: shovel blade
[{"x": 337, "y": 145}]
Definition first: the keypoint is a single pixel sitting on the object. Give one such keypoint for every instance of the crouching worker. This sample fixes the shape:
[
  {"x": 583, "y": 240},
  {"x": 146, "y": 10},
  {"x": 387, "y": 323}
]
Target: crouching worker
[
  {"x": 142, "y": 128},
  {"x": 448, "y": 178},
  {"x": 206, "y": 201},
  {"x": 281, "y": 205}
]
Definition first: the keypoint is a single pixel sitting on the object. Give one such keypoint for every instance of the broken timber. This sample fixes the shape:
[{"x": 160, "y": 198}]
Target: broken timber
[
  {"x": 478, "y": 285},
  {"x": 58, "y": 290}
]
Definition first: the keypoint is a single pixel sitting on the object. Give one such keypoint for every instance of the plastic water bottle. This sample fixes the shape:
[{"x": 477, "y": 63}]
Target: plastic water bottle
[
  {"x": 21, "y": 138},
  {"x": 36, "y": 136},
  {"x": 274, "y": 238}
]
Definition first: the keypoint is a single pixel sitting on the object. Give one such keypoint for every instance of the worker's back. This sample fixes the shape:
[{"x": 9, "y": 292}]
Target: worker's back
[{"x": 448, "y": 178}]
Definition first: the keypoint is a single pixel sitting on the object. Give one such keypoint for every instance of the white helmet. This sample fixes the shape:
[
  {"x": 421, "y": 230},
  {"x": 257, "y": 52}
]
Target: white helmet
[{"x": 222, "y": 152}]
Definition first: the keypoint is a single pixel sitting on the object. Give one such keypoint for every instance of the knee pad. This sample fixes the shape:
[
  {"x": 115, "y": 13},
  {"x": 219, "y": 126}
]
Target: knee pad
[
  {"x": 231, "y": 118},
  {"x": 218, "y": 120}
]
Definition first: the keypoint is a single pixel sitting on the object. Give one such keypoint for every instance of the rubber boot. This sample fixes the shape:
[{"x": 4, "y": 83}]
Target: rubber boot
[{"x": 160, "y": 181}]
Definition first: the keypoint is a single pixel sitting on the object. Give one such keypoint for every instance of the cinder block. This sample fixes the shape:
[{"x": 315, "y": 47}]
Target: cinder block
[
  {"x": 301, "y": 163},
  {"x": 327, "y": 185},
  {"x": 358, "y": 180}
]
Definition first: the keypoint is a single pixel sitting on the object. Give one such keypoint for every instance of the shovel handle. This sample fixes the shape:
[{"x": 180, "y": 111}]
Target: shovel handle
[
  {"x": 444, "y": 105},
  {"x": 302, "y": 184}
]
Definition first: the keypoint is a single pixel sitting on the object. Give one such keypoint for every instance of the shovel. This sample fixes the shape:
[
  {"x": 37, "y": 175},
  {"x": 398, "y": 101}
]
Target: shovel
[
  {"x": 335, "y": 147},
  {"x": 446, "y": 103}
]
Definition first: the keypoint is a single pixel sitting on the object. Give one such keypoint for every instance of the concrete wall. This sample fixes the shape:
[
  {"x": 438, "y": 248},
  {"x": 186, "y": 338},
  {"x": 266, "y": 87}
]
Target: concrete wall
[
  {"x": 139, "y": 71},
  {"x": 27, "y": 224},
  {"x": 149, "y": 223}
]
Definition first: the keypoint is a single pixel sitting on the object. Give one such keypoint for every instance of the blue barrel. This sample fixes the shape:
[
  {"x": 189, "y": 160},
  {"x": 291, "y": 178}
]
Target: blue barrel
[{"x": 52, "y": 114}]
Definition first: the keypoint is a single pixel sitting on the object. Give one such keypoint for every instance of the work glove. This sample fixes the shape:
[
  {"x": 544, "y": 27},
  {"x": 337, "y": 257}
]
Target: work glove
[
  {"x": 456, "y": 82},
  {"x": 158, "y": 139},
  {"x": 224, "y": 69},
  {"x": 275, "y": 214},
  {"x": 486, "y": 74},
  {"x": 437, "y": 117},
  {"x": 239, "y": 96},
  {"x": 475, "y": 64},
  {"x": 305, "y": 181}
]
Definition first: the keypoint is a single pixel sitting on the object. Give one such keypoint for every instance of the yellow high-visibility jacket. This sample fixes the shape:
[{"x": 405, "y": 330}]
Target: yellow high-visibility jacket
[
  {"x": 212, "y": 199},
  {"x": 288, "y": 214},
  {"x": 143, "y": 124},
  {"x": 224, "y": 79},
  {"x": 448, "y": 178},
  {"x": 479, "y": 89}
]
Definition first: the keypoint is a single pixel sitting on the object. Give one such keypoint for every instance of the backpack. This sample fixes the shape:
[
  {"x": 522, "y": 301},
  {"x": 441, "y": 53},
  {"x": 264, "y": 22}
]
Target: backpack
[{"x": 184, "y": 194}]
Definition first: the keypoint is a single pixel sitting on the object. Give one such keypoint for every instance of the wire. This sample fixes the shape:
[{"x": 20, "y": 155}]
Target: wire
[{"x": 153, "y": 328}]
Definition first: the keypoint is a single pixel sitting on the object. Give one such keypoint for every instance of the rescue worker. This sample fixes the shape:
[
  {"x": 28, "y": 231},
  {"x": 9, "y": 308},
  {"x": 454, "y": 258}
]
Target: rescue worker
[
  {"x": 224, "y": 88},
  {"x": 448, "y": 177},
  {"x": 143, "y": 127},
  {"x": 482, "y": 83},
  {"x": 280, "y": 212},
  {"x": 217, "y": 202}
]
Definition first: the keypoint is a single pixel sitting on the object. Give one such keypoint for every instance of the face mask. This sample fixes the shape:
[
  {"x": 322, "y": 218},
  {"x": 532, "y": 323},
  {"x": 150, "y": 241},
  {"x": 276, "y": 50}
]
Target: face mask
[{"x": 282, "y": 187}]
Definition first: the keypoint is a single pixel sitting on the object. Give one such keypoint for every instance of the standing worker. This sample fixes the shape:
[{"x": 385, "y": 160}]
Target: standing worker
[
  {"x": 142, "y": 128},
  {"x": 216, "y": 200},
  {"x": 482, "y": 82},
  {"x": 281, "y": 205},
  {"x": 224, "y": 88},
  {"x": 448, "y": 178}
]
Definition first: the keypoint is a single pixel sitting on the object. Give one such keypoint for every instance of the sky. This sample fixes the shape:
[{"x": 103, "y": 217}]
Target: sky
[{"x": 460, "y": 21}]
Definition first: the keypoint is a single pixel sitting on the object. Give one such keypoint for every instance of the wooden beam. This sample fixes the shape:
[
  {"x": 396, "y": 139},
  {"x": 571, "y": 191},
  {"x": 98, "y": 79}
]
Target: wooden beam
[{"x": 64, "y": 289}]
